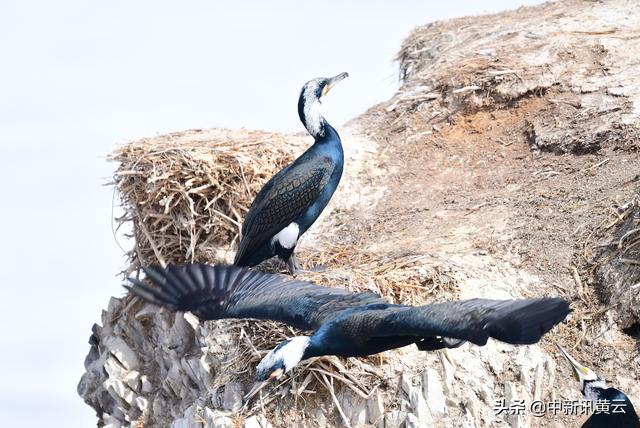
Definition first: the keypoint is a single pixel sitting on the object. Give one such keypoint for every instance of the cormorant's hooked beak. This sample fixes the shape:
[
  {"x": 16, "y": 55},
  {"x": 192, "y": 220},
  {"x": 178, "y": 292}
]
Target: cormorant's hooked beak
[
  {"x": 580, "y": 372},
  {"x": 332, "y": 82},
  {"x": 257, "y": 386}
]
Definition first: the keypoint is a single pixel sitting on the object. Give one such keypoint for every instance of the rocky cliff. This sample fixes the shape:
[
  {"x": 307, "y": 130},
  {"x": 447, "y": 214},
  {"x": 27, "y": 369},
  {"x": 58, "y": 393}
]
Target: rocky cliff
[{"x": 506, "y": 165}]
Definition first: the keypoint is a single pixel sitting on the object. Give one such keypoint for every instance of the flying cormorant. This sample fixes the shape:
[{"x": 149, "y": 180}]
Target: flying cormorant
[
  {"x": 615, "y": 409},
  {"x": 345, "y": 323},
  {"x": 294, "y": 198}
]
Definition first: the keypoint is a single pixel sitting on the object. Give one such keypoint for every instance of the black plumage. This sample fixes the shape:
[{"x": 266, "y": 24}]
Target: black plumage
[
  {"x": 612, "y": 407},
  {"x": 282, "y": 201},
  {"x": 291, "y": 201},
  {"x": 625, "y": 416},
  {"x": 217, "y": 292},
  {"x": 346, "y": 323}
]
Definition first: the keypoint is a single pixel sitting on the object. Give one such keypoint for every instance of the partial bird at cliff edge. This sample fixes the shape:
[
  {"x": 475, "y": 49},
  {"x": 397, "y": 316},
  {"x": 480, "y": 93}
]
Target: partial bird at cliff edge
[
  {"x": 291, "y": 201},
  {"x": 610, "y": 406},
  {"x": 346, "y": 324}
]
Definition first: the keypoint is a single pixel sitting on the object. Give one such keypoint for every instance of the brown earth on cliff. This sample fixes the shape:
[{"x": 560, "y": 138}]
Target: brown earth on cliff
[{"x": 506, "y": 165}]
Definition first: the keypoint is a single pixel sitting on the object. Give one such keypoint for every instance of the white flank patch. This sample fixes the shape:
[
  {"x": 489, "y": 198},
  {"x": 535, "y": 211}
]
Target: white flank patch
[{"x": 288, "y": 237}]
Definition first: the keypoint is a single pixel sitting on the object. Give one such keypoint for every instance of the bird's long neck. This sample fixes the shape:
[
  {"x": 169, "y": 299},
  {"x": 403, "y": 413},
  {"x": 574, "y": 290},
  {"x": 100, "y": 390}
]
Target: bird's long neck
[
  {"x": 594, "y": 389},
  {"x": 315, "y": 347},
  {"x": 310, "y": 113}
]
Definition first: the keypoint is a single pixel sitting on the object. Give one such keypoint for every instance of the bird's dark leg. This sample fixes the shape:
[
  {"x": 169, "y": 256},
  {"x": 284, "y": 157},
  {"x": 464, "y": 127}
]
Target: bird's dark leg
[
  {"x": 292, "y": 264},
  {"x": 430, "y": 344},
  {"x": 435, "y": 343}
]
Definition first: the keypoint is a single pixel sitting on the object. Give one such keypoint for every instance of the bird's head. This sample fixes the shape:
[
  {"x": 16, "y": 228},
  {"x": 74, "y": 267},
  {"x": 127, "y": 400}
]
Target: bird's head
[
  {"x": 279, "y": 361},
  {"x": 310, "y": 101},
  {"x": 587, "y": 378}
]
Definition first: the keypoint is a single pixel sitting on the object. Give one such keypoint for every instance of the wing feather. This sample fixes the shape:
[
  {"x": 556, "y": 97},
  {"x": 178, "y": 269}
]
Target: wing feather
[
  {"x": 281, "y": 201},
  {"x": 216, "y": 292},
  {"x": 513, "y": 321}
]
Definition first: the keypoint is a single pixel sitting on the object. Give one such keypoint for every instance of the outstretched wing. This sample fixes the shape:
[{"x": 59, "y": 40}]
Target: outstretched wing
[
  {"x": 282, "y": 200},
  {"x": 513, "y": 321},
  {"x": 216, "y": 292}
]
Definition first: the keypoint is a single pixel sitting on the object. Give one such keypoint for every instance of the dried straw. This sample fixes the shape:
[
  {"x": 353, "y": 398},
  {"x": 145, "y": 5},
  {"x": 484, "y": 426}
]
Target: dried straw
[
  {"x": 186, "y": 193},
  {"x": 406, "y": 278},
  {"x": 185, "y": 196}
]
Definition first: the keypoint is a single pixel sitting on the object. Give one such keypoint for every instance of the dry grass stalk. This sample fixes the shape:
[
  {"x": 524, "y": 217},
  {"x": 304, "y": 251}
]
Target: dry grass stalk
[
  {"x": 402, "y": 278},
  {"x": 187, "y": 193},
  {"x": 599, "y": 246}
]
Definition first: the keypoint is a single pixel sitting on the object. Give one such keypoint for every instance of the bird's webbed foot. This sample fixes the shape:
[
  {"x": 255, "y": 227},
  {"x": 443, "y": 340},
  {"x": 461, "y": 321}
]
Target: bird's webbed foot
[
  {"x": 435, "y": 343},
  {"x": 292, "y": 264}
]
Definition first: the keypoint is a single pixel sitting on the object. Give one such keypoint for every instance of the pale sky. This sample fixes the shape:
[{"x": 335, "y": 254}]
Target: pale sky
[{"x": 79, "y": 77}]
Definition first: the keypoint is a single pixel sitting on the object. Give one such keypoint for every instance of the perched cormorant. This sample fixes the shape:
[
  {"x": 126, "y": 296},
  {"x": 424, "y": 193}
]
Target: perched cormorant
[
  {"x": 615, "y": 410},
  {"x": 294, "y": 198},
  {"x": 345, "y": 323}
]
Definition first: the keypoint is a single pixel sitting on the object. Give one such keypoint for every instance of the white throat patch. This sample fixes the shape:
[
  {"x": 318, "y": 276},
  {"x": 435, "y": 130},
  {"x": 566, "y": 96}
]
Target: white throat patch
[
  {"x": 313, "y": 117},
  {"x": 312, "y": 110},
  {"x": 293, "y": 351},
  {"x": 288, "y": 237},
  {"x": 290, "y": 354}
]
